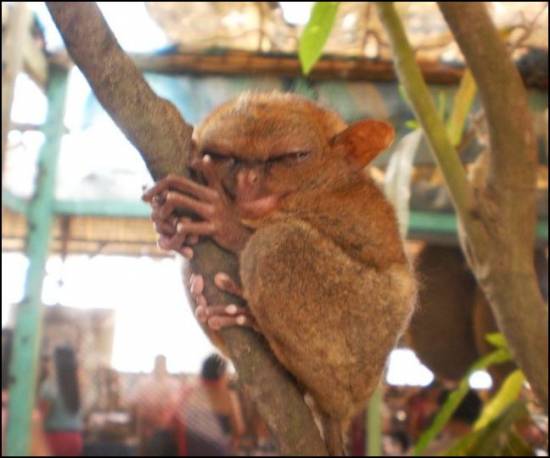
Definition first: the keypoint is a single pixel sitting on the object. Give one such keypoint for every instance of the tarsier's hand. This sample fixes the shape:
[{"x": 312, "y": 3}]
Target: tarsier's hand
[
  {"x": 167, "y": 228},
  {"x": 219, "y": 218},
  {"x": 219, "y": 316}
]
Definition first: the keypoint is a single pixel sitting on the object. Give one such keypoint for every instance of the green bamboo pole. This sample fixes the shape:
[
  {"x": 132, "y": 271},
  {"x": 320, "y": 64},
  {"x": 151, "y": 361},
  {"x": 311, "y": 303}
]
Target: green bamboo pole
[
  {"x": 28, "y": 317},
  {"x": 374, "y": 424}
]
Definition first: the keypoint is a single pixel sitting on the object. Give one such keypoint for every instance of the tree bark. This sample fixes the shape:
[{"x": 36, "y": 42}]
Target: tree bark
[
  {"x": 497, "y": 221},
  {"x": 502, "y": 259},
  {"x": 163, "y": 139}
]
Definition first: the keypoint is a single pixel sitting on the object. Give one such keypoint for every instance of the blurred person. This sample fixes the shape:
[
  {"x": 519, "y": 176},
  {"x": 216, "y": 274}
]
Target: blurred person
[
  {"x": 421, "y": 407},
  {"x": 208, "y": 421},
  {"x": 59, "y": 400},
  {"x": 39, "y": 445},
  {"x": 7, "y": 338},
  {"x": 154, "y": 401},
  {"x": 396, "y": 443}
]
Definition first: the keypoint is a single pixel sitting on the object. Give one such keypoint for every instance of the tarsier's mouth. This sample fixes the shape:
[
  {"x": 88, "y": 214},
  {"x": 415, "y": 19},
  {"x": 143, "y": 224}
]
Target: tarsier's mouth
[{"x": 256, "y": 208}]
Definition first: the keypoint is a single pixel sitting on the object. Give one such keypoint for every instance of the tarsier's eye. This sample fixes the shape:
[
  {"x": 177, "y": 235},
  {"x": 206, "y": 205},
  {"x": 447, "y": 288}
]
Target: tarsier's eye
[
  {"x": 290, "y": 158},
  {"x": 301, "y": 156},
  {"x": 219, "y": 158},
  {"x": 213, "y": 155}
]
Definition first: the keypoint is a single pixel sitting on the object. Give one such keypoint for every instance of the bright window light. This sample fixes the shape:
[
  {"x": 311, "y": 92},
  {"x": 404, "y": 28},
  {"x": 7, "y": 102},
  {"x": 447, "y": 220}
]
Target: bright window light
[
  {"x": 349, "y": 21},
  {"x": 404, "y": 368},
  {"x": 152, "y": 315},
  {"x": 133, "y": 27},
  {"x": 130, "y": 22},
  {"x": 29, "y": 102},
  {"x": 234, "y": 19},
  {"x": 480, "y": 380},
  {"x": 14, "y": 268},
  {"x": 296, "y": 13}
]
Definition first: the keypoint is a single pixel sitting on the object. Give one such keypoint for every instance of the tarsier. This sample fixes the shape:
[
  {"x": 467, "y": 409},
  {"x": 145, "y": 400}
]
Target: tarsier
[{"x": 322, "y": 265}]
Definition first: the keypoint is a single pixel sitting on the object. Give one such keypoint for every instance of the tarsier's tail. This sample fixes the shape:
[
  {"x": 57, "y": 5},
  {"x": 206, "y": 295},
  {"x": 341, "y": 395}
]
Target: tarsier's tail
[{"x": 334, "y": 436}]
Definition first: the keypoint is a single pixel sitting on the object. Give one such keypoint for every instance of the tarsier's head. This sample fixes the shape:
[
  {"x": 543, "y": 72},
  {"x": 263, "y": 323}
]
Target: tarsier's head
[{"x": 266, "y": 147}]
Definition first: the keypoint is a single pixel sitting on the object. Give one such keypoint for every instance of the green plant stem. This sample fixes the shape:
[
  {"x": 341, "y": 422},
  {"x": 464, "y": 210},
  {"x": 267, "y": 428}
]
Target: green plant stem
[
  {"x": 462, "y": 103},
  {"x": 455, "y": 398},
  {"x": 424, "y": 108}
]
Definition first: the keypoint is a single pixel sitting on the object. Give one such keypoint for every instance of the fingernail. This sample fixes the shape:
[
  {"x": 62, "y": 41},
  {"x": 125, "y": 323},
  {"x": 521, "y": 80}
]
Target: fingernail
[
  {"x": 201, "y": 301},
  {"x": 231, "y": 309},
  {"x": 221, "y": 279},
  {"x": 180, "y": 227},
  {"x": 199, "y": 313},
  {"x": 197, "y": 286},
  {"x": 241, "y": 320},
  {"x": 200, "y": 283}
]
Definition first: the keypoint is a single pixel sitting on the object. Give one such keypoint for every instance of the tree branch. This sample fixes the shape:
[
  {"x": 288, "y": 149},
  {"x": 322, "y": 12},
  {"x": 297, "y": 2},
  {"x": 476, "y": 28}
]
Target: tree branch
[
  {"x": 507, "y": 204},
  {"x": 155, "y": 128},
  {"x": 162, "y": 137},
  {"x": 497, "y": 227}
]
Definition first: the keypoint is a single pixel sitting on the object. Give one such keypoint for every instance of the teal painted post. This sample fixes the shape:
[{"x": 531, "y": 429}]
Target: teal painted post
[
  {"x": 374, "y": 424},
  {"x": 27, "y": 331}
]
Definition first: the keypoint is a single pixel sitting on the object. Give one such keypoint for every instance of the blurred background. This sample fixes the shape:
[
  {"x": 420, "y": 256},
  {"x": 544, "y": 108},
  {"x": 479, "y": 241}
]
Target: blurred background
[{"x": 113, "y": 302}]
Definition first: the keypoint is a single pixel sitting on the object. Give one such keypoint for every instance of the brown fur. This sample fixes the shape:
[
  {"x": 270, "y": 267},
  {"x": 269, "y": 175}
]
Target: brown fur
[{"x": 324, "y": 273}]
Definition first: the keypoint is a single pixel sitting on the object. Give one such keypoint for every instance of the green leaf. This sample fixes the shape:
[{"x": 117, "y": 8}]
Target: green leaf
[
  {"x": 316, "y": 33},
  {"x": 499, "y": 356},
  {"x": 497, "y": 339},
  {"x": 507, "y": 394},
  {"x": 495, "y": 439},
  {"x": 412, "y": 124},
  {"x": 464, "y": 444},
  {"x": 462, "y": 104},
  {"x": 397, "y": 179}
]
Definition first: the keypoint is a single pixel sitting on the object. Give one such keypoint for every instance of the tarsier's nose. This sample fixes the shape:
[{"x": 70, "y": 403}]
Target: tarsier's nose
[
  {"x": 248, "y": 182},
  {"x": 248, "y": 177}
]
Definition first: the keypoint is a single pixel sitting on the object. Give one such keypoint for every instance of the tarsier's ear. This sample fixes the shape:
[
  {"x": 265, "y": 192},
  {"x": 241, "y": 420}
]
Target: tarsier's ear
[{"x": 363, "y": 141}]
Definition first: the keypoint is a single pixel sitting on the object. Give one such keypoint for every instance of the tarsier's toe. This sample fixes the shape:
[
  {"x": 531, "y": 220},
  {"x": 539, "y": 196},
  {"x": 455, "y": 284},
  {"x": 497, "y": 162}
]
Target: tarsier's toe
[
  {"x": 201, "y": 313},
  {"x": 223, "y": 316},
  {"x": 196, "y": 284},
  {"x": 186, "y": 252},
  {"x": 225, "y": 283}
]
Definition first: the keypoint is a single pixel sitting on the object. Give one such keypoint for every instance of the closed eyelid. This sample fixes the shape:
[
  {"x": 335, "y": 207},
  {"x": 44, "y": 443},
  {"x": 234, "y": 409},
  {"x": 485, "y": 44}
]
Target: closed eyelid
[
  {"x": 217, "y": 156},
  {"x": 290, "y": 156}
]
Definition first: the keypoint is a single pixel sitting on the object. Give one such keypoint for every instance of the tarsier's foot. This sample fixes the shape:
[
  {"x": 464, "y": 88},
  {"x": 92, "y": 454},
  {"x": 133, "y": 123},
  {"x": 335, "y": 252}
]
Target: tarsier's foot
[{"x": 220, "y": 316}]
